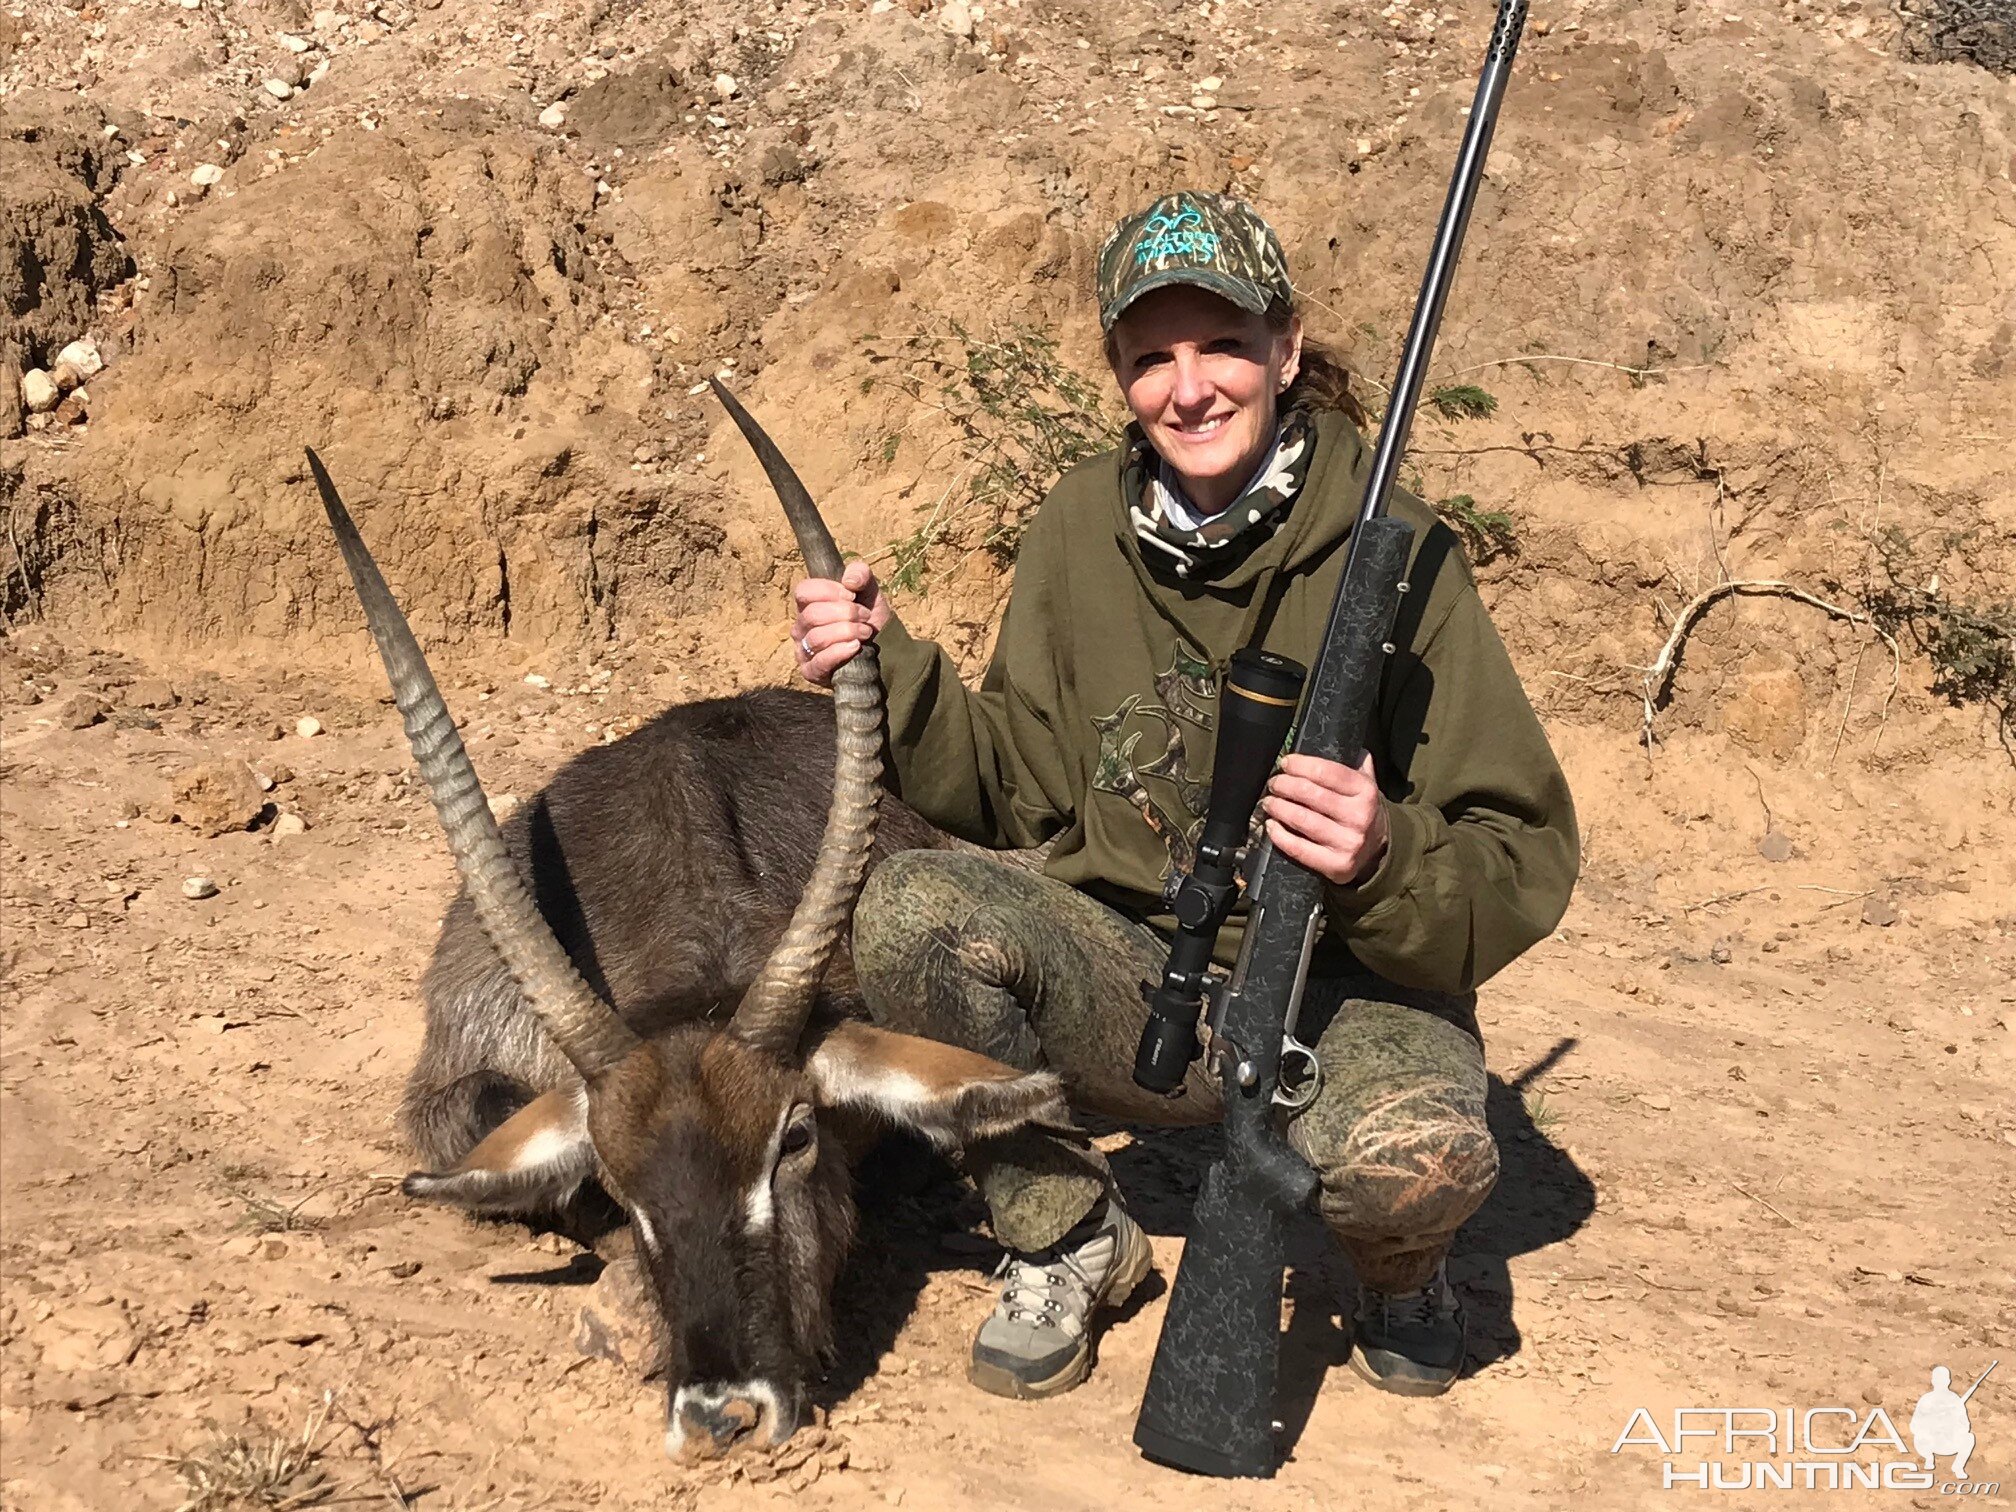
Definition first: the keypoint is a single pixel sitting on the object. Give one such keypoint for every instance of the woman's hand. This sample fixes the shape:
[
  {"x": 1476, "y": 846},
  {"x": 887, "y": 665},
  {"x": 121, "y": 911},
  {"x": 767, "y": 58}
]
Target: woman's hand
[
  {"x": 1328, "y": 816},
  {"x": 833, "y": 620}
]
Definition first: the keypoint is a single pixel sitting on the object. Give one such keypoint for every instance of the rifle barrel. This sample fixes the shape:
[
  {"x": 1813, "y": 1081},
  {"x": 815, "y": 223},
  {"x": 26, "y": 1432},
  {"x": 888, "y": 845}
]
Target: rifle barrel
[{"x": 1441, "y": 273}]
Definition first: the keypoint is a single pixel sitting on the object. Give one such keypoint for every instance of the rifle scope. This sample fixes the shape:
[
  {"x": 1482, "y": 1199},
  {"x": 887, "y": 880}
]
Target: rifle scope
[{"x": 1255, "y": 708}]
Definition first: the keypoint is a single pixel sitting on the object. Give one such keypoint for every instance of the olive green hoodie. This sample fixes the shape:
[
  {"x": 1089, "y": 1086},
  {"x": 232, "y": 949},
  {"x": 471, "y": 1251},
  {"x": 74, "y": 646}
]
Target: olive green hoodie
[{"x": 1094, "y": 725}]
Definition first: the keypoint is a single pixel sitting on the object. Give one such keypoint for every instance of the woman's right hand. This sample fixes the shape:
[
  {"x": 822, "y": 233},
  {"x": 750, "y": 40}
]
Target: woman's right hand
[{"x": 833, "y": 620}]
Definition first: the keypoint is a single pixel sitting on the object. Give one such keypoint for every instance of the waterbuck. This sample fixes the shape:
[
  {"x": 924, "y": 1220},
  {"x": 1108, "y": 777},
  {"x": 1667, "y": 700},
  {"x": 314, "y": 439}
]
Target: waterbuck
[{"x": 655, "y": 871}]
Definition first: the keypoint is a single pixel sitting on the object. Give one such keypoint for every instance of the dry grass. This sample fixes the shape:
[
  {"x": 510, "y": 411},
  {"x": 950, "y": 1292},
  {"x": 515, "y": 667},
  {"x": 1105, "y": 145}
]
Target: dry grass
[{"x": 258, "y": 1468}]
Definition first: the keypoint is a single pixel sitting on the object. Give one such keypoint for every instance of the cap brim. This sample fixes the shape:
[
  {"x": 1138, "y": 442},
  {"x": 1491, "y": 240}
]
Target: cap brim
[{"x": 1247, "y": 296}]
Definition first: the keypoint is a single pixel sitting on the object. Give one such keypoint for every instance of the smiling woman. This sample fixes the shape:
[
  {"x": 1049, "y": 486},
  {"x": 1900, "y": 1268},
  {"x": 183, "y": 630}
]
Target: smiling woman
[{"x": 1219, "y": 523}]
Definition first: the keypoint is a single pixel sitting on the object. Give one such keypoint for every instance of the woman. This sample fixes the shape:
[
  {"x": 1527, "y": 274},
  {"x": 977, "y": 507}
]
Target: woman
[{"x": 1221, "y": 521}]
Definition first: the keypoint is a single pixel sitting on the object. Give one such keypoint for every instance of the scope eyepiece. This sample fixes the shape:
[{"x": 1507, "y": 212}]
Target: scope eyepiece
[{"x": 1168, "y": 1046}]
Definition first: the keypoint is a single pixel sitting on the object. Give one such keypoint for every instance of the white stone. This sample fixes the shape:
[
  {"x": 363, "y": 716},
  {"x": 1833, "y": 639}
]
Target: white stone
[
  {"x": 533, "y": 679},
  {"x": 1211, "y": 85},
  {"x": 293, "y": 43},
  {"x": 307, "y": 727},
  {"x": 957, "y": 18},
  {"x": 198, "y": 887},
  {"x": 280, "y": 89},
  {"x": 554, "y": 116},
  {"x": 83, "y": 356},
  {"x": 205, "y": 175},
  {"x": 725, "y": 86},
  {"x": 290, "y": 824},
  {"x": 39, "y": 391}
]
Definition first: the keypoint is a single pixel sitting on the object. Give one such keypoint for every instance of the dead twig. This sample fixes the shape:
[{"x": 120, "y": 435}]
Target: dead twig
[
  {"x": 1727, "y": 897},
  {"x": 1620, "y": 367},
  {"x": 1854, "y": 672},
  {"x": 1761, "y": 1202},
  {"x": 1659, "y": 676}
]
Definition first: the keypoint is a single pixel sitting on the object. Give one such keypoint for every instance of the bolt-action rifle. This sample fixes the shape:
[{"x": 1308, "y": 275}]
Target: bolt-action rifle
[{"x": 1209, "y": 1405}]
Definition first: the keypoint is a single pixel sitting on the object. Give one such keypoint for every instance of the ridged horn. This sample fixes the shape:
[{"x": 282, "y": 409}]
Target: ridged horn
[
  {"x": 774, "y": 1010},
  {"x": 585, "y": 1028}
]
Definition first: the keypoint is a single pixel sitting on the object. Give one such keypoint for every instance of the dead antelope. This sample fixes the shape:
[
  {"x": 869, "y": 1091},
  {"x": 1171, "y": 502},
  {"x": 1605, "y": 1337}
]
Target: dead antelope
[{"x": 728, "y": 1144}]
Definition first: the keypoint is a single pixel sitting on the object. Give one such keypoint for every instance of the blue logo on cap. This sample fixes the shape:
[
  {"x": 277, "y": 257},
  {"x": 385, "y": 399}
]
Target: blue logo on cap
[{"x": 1176, "y": 236}]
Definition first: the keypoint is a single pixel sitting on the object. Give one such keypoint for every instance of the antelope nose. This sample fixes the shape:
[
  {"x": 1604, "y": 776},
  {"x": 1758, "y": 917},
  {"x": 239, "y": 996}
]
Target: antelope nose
[{"x": 713, "y": 1427}]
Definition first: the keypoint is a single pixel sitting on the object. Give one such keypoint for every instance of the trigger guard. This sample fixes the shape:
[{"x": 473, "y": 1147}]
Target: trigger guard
[{"x": 1304, "y": 1089}]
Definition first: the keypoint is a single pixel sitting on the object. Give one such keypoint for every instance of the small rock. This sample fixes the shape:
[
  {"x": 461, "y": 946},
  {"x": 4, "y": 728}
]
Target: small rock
[
  {"x": 94, "y": 1337},
  {"x": 308, "y": 727},
  {"x": 149, "y": 693},
  {"x": 206, "y": 174},
  {"x": 618, "y": 1322},
  {"x": 216, "y": 797},
  {"x": 1880, "y": 912},
  {"x": 39, "y": 391},
  {"x": 290, "y": 824},
  {"x": 1659, "y": 1102},
  {"x": 280, "y": 89},
  {"x": 1211, "y": 85},
  {"x": 195, "y": 888},
  {"x": 292, "y": 43},
  {"x": 554, "y": 116},
  {"x": 534, "y": 680},
  {"x": 81, "y": 712},
  {"x": 1775, "y": 846},
  {"x": 265, "y": 782},
  {"x": 1720, "y": 953},
  {"x": 781, "y": 164},
  {"x": 956, "y": 16},
  {"x": 75, "y": 408},
  {"x": 405, "y": 1270},
  {"x": 77, "y": 921},
  {"x": 280, "y": 772},
  {"x": 725, "y": 86},
  {"x": 503, "y": 806},
  {"x": 83, "y": 358}
]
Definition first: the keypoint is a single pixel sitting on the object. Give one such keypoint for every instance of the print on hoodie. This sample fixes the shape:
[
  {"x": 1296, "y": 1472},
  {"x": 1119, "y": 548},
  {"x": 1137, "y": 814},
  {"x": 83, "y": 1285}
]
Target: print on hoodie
[{"x": 1173, "y": 807}]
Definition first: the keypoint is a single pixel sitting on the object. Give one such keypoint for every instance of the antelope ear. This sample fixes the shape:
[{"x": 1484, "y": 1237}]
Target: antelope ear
[
  {"x": 534, "y": 1159},
  {"x": 949, "y": 1095}
]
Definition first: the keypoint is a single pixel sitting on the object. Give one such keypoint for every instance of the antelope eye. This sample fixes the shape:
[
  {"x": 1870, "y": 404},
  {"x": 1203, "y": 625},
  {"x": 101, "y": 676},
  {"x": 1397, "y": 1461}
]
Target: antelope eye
[{"x": 797, "y": 1138}]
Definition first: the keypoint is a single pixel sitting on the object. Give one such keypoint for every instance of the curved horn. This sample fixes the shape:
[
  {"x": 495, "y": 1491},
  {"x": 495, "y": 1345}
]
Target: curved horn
[
  {"x": 586, "y": 1029},
  {"x": 774, "y": 1010}
]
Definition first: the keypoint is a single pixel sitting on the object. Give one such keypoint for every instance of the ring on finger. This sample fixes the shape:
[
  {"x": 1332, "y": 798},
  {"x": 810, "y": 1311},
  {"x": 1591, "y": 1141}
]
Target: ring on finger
[{"x": 805, "y": 647}]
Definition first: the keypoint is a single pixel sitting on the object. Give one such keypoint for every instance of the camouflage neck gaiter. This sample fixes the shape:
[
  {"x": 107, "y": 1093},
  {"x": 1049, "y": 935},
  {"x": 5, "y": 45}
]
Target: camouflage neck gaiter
[{"x": 1162, "y": 514}]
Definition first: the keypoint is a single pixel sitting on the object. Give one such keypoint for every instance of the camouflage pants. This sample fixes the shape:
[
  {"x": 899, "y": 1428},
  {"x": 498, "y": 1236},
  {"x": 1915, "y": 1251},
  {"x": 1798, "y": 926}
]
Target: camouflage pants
[{"x": 959, "y": 948}]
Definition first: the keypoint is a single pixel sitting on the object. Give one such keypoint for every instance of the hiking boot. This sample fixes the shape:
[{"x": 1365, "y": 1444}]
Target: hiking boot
[
  {"x": 1410, "y": 1343},
  {"x": 1038, "y": 1341}
]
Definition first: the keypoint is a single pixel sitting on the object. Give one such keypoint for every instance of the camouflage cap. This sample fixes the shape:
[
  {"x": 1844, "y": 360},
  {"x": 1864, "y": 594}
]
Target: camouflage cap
[{"x": 1210, "y": 240}]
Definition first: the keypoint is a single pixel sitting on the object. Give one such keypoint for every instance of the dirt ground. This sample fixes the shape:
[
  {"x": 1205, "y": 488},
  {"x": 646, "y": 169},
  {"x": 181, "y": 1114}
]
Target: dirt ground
[{"x": 1741, "y": 285}]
